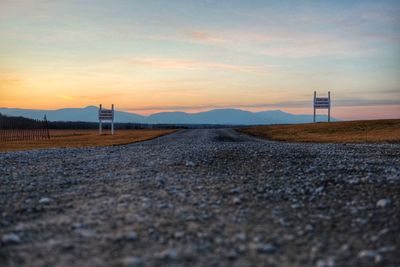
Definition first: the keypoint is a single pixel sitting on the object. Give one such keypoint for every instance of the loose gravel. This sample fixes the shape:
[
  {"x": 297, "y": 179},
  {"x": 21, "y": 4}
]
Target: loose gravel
[{"x": 209, "y": 197}]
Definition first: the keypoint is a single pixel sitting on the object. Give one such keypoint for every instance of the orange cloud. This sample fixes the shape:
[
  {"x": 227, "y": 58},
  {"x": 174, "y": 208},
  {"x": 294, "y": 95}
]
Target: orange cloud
[{"x": 9, "y": 79}]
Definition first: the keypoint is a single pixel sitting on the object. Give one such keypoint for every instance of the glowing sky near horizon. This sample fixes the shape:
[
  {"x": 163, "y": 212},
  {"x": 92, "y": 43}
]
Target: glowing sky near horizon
[{"x": 160, "y": 55}]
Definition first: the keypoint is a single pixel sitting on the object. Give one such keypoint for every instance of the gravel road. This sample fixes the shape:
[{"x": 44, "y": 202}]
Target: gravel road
[{"x": 202, "y": 198}]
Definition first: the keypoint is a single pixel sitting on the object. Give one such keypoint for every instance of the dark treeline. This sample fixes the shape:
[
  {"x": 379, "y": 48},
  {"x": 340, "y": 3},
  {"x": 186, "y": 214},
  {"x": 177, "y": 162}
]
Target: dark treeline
[
  {"x": 9, "y": 122},
  {"x": 128, "y": 126},
  {"x": 95, "y": 125}
]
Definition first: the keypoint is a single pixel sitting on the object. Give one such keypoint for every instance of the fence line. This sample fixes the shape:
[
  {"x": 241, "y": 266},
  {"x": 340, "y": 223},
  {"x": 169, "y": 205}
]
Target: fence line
[{"x": 22, "y": 129}]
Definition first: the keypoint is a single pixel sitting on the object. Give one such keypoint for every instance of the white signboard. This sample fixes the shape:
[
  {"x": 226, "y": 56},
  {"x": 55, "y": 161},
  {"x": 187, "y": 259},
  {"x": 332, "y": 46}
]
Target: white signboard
[
  {"x": 106, "y": 115},
  {"x": 322, "y": 103}
]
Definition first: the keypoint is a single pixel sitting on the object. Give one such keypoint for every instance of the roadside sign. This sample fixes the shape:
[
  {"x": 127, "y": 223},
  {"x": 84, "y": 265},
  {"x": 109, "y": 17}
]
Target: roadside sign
[
  {"x": 322, "y": 103},
  {"x": 106, "y": 115}
]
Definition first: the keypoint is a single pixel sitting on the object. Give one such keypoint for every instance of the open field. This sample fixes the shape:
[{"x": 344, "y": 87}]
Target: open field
[
  {"x": 373, "y": 131},
  {"x": 84, "y": 138}
]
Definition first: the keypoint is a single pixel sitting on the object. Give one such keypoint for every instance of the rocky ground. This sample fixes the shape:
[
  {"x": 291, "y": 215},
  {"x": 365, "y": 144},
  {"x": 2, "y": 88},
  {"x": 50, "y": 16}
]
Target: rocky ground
[{"x": 202, "y": 198}]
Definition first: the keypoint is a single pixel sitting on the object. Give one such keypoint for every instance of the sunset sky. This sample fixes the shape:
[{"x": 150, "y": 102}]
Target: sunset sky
[{"x": 167, "y": 55}]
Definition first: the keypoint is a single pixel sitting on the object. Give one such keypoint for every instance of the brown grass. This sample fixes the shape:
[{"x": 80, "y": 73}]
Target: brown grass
[
  {"x": 373, "y": 131},
  {"x": 84, "y": 138}
]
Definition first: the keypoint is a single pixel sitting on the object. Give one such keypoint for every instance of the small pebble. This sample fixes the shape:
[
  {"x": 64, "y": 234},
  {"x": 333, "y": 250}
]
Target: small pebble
[
  {"x": 133, "y": 261},
  {"x": 44, "y": 200},
  {"x": 235, "y": 190},
  {"x": 370, "y": 255},
  {"x": 295, "y": 206},
  {"x": 169, "y": 254},
  {"x": 79, "y": 226},
  {"x": 240, "y": 237},
  {"x": 179, "y": 234},
  {"x": 329, "y": 262},
  {"x": 232, "y": 255},
  {"x": 319, "y": 189},
  {"x": 236, "y": 200},
  {"x": 267, "y": 248},
  {"x": 10, "y": 238},
  {"x": 132, "y": 236},
  {"x": 383, "y": 203},
  {"x": 190, "y": 163}
]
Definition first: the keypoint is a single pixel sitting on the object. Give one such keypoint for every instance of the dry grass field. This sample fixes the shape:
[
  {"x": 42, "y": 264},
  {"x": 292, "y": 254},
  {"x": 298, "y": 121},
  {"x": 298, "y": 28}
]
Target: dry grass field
[
  {"x": 84, "y": 138},
  {"x": 373, "y": 131}
]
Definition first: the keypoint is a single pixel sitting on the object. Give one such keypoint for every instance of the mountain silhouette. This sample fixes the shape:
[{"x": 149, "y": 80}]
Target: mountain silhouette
[{"x": 215, "y": 116}]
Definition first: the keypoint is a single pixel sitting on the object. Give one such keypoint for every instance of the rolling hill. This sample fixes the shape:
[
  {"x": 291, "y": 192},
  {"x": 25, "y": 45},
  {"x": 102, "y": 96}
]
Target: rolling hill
[{"x": 215, "y": 116}]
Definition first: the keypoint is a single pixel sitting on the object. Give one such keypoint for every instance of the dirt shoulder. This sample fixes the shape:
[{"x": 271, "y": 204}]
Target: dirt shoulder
[
  {"x": 373, "y": 131},
  {"x": 84, "y": 138}
]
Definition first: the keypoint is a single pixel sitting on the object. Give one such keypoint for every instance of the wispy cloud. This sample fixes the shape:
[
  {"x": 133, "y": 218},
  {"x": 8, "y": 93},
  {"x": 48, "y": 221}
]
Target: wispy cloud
[
  {"x": 66, "y": 97},
  {"x": 7, "y": 79},
  {"x": 203, "y": 36},
  {"x": 287, "y": 43},
  {"x": 91, "y": 98},
  {"x": 170, "y": 63}
]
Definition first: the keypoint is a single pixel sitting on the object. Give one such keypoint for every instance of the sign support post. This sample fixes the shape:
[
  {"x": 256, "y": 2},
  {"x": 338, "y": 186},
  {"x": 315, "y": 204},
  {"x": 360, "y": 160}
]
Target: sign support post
[
  {"x": 100, "y": 122},
  {"x": 322, "y": 103},
  {"x": 315, "y": 96},
  {"x": 329, "y": 109},
  {"x": 112, "y": 120}
]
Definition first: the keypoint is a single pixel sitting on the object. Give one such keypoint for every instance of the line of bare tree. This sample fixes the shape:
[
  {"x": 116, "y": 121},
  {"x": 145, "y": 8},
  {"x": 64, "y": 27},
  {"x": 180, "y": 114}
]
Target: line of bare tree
[{"x": 20, "y": 128}]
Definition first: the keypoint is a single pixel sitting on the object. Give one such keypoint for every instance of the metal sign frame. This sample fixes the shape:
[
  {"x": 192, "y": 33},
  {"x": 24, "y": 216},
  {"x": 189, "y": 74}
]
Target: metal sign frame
[
  {"x": 322, "y": 103},
  {"x": 106, "y": 115}
]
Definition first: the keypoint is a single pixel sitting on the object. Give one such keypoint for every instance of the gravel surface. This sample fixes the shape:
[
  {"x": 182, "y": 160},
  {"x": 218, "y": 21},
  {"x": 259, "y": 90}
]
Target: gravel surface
[{"x": 202, "y": 198}]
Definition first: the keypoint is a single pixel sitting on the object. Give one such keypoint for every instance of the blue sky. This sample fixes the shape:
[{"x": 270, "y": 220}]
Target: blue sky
[{"x": 148, "y": 56}]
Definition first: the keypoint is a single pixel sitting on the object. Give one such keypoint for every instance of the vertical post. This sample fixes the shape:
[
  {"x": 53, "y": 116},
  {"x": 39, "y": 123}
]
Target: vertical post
[
  {"x": 329, "y": 108},
  {"x": 112, "y": 120},
  {"x": 100, "y": 126},
  {"x": 47, "y": 127},
  {"x": 315, "y": 95}
]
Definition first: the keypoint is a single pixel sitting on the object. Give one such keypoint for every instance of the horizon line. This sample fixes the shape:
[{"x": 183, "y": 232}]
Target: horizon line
[{"x": 301, "y": 111}]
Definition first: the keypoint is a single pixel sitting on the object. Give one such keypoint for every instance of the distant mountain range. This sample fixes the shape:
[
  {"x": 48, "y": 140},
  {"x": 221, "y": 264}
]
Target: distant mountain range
[{"x": 216, "y": 116}]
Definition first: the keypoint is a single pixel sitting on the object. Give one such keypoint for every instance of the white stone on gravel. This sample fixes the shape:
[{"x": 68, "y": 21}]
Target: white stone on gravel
[
  {"x": 236, "y": 201},
  {"x": 370, "y": 255},
  {"x": 45, "y": 200},
  {"x": 295, "y": 206},
  {"x": 328, "y": 262},
  {"x": 169, "y": 254},
  {"x": 383, "y": 203},
  {"x": 319, "y": 189},
  {"x": 190, "y": 163},
  {"x": 179, "y": 234},
  {"x": 235, "y": 190},
  {"x": 10, "y": 238},
  {"x": 267, "y": 248}
]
